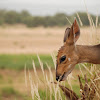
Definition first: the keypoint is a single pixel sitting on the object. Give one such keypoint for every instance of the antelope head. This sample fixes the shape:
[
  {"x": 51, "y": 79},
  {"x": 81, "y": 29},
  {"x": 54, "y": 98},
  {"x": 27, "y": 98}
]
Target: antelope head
[{"x": 67, "y": 55}]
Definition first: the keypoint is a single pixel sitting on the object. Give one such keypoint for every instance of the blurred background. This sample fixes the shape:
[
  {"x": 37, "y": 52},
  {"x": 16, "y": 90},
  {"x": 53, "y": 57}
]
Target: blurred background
[{"x": 31, "y": 27}]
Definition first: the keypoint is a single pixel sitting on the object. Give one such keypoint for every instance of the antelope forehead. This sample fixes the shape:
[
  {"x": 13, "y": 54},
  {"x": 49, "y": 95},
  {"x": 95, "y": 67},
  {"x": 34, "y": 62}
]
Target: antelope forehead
[{"x": 61, "y": 50}]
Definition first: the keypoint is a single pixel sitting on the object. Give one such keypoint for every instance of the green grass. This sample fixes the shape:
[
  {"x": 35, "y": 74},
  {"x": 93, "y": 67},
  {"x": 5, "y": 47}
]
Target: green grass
[
  {"x": 12, "y": 94},
  {"x": 18, "y": 61},
  {"x": 7, "y": 91},
  {"x": 14, "y": 61}
]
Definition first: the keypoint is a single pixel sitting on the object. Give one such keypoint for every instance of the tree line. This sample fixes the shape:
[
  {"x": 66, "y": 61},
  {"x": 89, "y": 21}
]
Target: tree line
[{"x": 59, "y": 19}]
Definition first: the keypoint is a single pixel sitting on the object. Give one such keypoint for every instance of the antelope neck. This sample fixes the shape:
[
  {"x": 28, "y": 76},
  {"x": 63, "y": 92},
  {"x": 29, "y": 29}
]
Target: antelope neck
[{"x": 89, "y": 54}]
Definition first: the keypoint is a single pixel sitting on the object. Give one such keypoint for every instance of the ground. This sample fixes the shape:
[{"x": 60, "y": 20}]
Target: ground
[{"x": 19, "y": 39}]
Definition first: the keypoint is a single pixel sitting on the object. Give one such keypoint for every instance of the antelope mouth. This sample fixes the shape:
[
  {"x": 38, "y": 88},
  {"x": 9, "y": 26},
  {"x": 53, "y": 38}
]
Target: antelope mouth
[{"x": 64, "y": 76}]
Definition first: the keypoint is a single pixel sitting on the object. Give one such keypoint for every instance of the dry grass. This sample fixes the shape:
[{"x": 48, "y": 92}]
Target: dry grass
[
  {"x": 53, "y": 92},
  {"x": 90, "y": 90},
  {"x": 14, "y": 39}
]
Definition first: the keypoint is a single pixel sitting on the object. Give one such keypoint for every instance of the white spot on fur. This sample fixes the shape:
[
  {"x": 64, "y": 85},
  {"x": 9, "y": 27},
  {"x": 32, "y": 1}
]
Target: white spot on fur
[{"x": 69, "y": 59}]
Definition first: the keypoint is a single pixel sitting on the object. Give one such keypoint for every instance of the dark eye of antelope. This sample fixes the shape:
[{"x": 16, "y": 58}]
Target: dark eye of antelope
[{"x": 62, "y": 59}]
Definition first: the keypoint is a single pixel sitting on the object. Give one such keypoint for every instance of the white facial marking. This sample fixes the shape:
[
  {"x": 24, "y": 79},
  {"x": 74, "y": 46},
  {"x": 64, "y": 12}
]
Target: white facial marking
[{"x": 69, "y": 59}]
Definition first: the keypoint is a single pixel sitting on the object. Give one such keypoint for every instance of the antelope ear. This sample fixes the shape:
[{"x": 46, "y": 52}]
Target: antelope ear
[
  {"x": 66, "y": 35},
  {"x": 76, "y": 30},
  {"x": 72, "y": 34}
]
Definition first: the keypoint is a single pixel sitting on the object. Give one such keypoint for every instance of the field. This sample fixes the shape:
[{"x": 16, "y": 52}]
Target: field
[
  {"x": 20, "y": 39},
  {"x": 20, "y": 46}
]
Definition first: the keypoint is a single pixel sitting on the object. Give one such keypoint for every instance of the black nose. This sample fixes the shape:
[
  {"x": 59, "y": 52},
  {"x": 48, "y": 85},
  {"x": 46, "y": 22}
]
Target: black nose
[{"x": 57, "y": 78}]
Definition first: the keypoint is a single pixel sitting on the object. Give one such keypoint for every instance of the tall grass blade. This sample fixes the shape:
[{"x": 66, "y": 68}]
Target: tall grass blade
[
  {"x": 35, "y": 71},
  {"x": 79, "y": 19},
  {"x": 41, "y": 65}
]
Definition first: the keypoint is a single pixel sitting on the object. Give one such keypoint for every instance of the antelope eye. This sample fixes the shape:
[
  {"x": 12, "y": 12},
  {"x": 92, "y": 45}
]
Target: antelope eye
[{"x": 62, "y": 59}]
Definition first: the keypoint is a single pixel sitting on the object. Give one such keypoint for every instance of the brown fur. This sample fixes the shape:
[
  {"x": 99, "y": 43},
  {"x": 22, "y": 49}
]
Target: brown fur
[
  {"x": 76, "y": 53},
  {"x": 89, "y": 54}
]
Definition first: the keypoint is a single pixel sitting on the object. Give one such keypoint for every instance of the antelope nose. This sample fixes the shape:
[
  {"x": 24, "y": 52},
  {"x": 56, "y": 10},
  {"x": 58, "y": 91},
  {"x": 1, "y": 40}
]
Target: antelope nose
[{"x": 57, "y": 78}]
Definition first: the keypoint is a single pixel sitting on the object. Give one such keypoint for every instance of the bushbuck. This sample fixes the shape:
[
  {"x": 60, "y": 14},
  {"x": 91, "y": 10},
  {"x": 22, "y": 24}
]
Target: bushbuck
[{"x": 71, "y": 54}]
